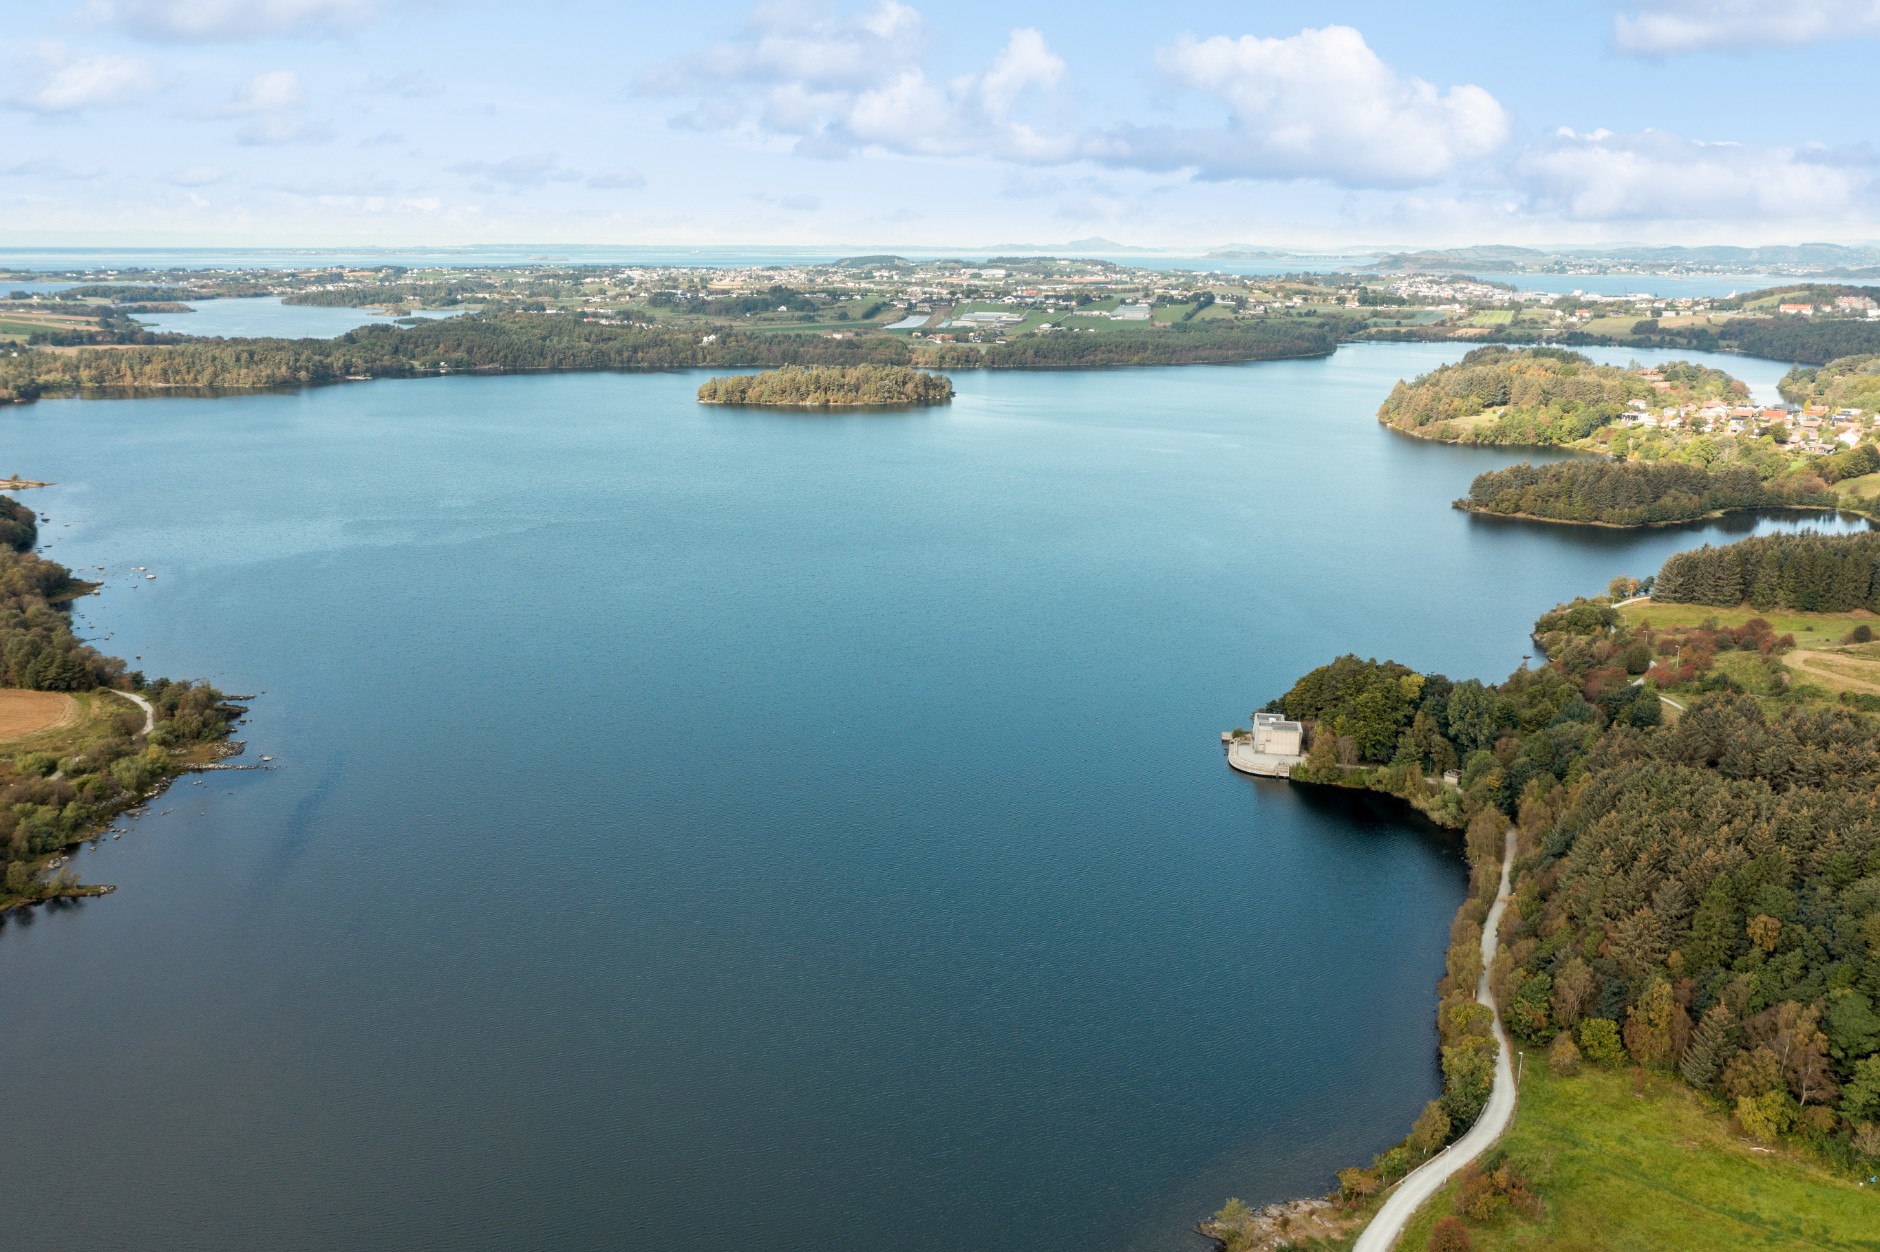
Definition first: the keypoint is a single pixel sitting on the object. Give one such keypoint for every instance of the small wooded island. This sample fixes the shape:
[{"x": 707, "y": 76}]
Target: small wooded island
[{"x": 830, "y": 386}]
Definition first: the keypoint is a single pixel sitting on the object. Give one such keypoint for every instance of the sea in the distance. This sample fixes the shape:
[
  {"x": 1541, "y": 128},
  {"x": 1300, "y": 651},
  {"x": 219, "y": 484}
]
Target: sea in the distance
[{"x": 695, "y": 828}]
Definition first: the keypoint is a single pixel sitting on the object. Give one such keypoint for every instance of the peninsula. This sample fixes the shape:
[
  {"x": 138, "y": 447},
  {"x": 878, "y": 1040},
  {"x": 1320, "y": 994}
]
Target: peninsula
[
  {"x": 85, "y": 739},
  {"x": 1695, "y": 901}
]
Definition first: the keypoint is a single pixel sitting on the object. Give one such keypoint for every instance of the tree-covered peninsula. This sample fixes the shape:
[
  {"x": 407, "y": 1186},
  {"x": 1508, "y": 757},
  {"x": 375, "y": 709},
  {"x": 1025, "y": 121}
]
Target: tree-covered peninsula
[
  {"x": 1696, "y": 886},
  {"x": 1635, "y": 493},
  {"x": 830, "y": 386},
  {"x": 507, "y": 343},
  {"x": 1540, "y": 396},
  {"x": 70, "y": 774}
]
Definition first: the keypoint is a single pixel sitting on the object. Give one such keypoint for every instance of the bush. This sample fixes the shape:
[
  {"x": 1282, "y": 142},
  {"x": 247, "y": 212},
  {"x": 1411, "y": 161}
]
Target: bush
[
  {"x": 1450, "y": 1235},
  {"x": 1862, "y": 633},
  {"x": 1564, "y": 1057},
  {"x": 36, "y": 764},
  {"x": 1599, "y": 1040},
  {"x": 1766, "y": 1117}
]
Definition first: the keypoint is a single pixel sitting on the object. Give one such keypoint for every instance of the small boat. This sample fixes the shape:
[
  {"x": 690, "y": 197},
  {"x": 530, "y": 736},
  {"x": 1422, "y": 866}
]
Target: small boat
[{"x": 151, "y": 577}]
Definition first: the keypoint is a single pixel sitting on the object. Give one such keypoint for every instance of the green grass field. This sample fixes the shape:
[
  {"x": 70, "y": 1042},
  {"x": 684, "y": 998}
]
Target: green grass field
[
  {"x": 1809, "y": 629},
  {"x": 1491, "y": 317},
  {"x": 1863, "y": 489},
  {"x": 1655, "y": 1172}
]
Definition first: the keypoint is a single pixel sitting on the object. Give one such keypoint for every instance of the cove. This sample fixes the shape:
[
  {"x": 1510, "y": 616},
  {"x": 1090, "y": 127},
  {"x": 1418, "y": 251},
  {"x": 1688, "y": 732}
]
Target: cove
[{"x": 698, "y": 828}]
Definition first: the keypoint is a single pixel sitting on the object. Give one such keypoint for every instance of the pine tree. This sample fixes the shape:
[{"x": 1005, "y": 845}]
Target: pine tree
[{"x": 1711, "y": 1045}]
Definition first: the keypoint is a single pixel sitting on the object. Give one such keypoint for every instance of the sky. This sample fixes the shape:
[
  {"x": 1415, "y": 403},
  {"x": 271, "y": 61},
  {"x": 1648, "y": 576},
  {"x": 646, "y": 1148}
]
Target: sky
[{"x": 903, "y": 123}]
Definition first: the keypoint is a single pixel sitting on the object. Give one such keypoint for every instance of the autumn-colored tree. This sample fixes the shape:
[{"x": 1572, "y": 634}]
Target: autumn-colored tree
[
  {"x": 1790, "y": 1030},
  {"x": 1564, "y": 1057},
  {"x": 1450, "y": 1235},
  {"x": 1599, "y": 1040},
  {"x": 1764, "y": 931},
  {"x": 1656, "y": 1028},
  {"x": 1430, "y": 1132},
  {"x": 1573, "y": 990}
]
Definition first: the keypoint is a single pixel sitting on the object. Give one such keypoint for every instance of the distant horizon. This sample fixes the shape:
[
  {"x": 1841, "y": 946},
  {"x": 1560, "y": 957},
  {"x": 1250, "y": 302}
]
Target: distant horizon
[{"x": 356, "y": 123}]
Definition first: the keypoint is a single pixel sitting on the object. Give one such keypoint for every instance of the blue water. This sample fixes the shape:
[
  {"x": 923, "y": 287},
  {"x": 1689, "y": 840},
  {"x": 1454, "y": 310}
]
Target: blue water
[
  {"x": 696, "y": 828},
  {"x": 1664, "y": 286},
  {"x": 267, "y": 317}
]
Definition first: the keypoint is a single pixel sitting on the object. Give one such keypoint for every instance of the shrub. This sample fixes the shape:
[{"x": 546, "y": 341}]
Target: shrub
[
  {"x": 1863, "y": 633},
  {"x": 1450, "y": 1235},
  {"x": 1766, "y": 1117},
  {"x": 1564, "y": 1057},
  {"x": 1599, "y": 1040}
]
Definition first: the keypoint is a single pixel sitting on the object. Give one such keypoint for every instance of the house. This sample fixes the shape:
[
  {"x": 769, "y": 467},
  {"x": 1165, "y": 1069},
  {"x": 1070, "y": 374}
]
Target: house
[
  {"x": 1274, "y": 735},
  {"x": 1796, "y": 310}
]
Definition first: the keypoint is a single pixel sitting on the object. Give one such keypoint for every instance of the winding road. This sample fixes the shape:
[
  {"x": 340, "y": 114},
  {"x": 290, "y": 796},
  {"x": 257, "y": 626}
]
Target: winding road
[
  {"x": 150, "y": 713},
  {"x": 1427, "y": 1179}
]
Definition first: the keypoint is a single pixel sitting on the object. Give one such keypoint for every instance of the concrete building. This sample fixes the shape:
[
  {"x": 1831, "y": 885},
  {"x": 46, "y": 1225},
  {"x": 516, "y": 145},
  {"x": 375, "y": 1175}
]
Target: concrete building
[{"x": 1273, "y": 735}]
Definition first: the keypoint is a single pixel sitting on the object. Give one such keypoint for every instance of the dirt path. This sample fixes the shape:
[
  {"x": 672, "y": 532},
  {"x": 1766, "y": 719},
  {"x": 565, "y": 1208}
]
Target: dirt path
[
  {"x": 1428, "y": 1178},
  {"x": 150, "y": 712}
]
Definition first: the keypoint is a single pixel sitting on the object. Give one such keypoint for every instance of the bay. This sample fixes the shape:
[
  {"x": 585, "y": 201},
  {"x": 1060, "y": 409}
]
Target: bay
[{"x": 696, "y": 828}]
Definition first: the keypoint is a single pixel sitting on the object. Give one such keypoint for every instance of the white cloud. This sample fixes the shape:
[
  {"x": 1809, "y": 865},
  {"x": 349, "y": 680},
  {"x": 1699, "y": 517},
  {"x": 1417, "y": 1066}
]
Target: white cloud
[
  {"x": 58, "y": 82},
  {"x": 217, "y": 20},
  {"x": 195, "y": 176},
  {"x": 1319, "y": 105},
  {"x": 1660, "y": 27},
  {"x": 273, "y": 104},
  {"x": 1660, "y": 177},
  {"x": 617, "y": 180},
  {"x": 517, "y": 173},
  {"x": 839, "y": 84},
  {"x": 789, "y": 45}
]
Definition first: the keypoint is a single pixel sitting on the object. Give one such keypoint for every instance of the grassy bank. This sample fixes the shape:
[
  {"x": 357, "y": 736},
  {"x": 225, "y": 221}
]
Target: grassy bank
[{"x": 1654, "y": 1170}]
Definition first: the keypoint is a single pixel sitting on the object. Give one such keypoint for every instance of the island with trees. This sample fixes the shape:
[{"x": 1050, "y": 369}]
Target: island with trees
[
  {"x": 1690, "y": 960},
  {"x": 79, "y": 751},
  {"x": 830, "y": 386}
]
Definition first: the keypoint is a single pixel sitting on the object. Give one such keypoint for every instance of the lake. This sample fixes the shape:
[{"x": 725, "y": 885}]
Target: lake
[
  {"x": 697, "y": 828},
  {"x": 268, "y": 317}
]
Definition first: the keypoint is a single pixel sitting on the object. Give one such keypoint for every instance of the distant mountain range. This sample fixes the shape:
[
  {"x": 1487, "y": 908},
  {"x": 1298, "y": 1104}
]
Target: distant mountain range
[{"x": 1824, "y": 259}]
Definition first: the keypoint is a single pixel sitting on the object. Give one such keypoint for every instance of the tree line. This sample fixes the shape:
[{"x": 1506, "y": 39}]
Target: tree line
[
  {"x": 516, "y": 343},
  {"x": 1634, "y": 493},
  {"x": 828, "y": 386},
  {"x": 1812, "y": 573}
]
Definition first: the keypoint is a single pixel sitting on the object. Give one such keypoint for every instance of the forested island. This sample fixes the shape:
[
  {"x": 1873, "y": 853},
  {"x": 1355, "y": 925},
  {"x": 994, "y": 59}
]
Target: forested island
[
  {"x": 72, "y": 774},
  {"x": 1696, "y": 902},
  {"x": 830, "y": 386}
]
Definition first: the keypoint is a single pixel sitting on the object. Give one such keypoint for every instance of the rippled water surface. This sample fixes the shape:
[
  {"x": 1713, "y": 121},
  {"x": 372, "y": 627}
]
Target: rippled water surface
[{"x": 697, "y": 829}]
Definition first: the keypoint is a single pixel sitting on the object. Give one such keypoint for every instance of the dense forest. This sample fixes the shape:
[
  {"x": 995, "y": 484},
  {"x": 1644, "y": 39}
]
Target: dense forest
[
  {"x": 1813, "y": 573},
  {"x": 514, "y": 343},
  {"x": 1634, "y": 493},
  {"x": 1850, "y": 382},
  {"x": 829, "y": 386},
  {"x": 1809, "y": 340},
  {"x": 1537, "y": 396},
  {"x": 48, "y": 803},
  {"x": 1698, "y": 897}
]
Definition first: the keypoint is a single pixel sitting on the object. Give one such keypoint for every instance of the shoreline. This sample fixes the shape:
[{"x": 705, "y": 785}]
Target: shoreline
[
  {"x": 1714, "y": 515},
  {"x": 90, "y": 772}
]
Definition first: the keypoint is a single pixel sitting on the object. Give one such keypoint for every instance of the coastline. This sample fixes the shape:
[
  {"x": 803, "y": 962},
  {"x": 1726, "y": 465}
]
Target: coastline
[
  {"x": 67, "y": 783},
  {"x": 1465, "y": 507}
]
